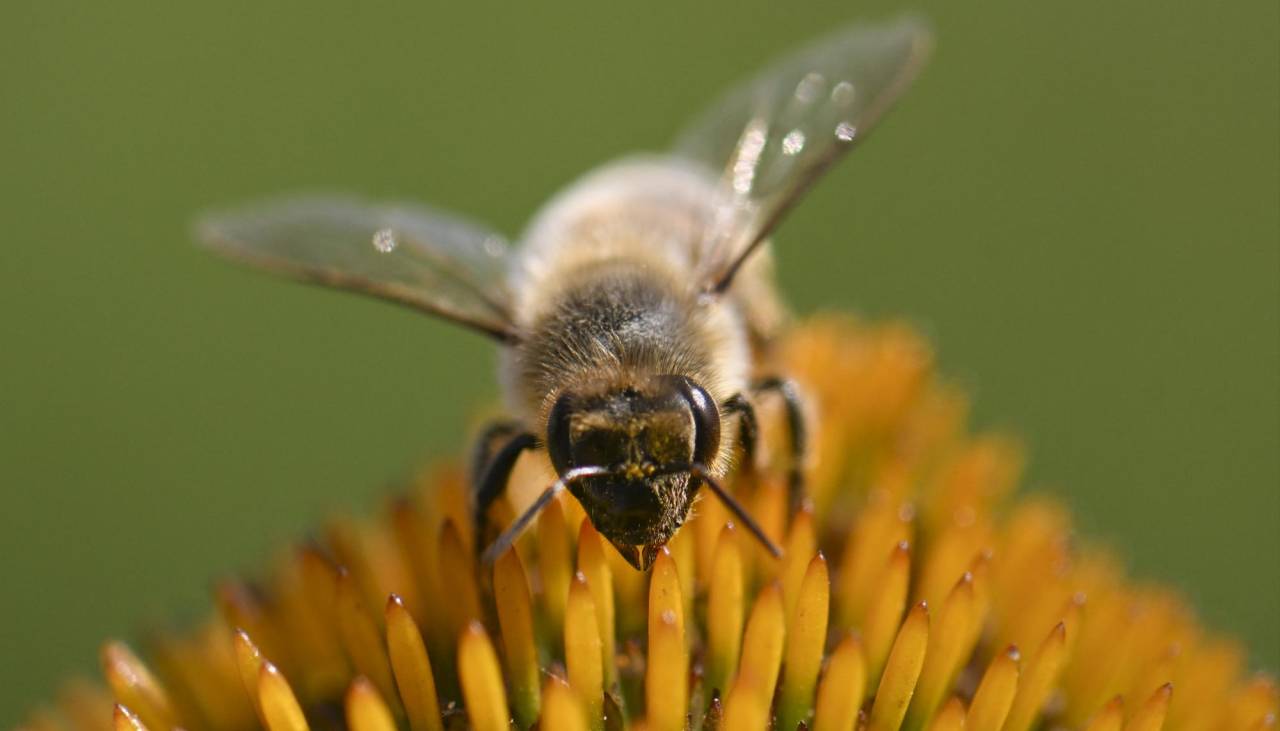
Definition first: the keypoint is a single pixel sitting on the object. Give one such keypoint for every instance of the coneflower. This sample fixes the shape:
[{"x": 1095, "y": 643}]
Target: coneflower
[{"x": 914, "y": 593}]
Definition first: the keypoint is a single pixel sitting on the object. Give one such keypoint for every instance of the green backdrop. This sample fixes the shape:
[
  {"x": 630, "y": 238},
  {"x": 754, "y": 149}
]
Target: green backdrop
[{"x": 1078, "y": 202}]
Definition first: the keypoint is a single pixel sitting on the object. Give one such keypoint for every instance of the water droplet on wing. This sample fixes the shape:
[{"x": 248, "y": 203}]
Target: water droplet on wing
[
  {"x": 384, "y": 240},
  {"x": 793, "y": 143}
]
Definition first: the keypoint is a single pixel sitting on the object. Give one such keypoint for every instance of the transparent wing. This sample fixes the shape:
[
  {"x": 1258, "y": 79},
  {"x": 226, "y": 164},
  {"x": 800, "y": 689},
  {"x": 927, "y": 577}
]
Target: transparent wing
[
  {"x": 771, "y": 137},
  {"x": 425, "y": 259}
]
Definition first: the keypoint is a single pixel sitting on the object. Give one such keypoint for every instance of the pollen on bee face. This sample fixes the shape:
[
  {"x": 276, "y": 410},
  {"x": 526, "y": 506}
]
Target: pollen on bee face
[{"x": 972, "y": 609}]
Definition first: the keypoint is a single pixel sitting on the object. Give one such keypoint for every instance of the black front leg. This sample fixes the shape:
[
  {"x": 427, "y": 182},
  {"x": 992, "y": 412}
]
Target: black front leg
[
  {"x": 799, "y": 438},
  {"x": 490, "y": 473},
  {"x": 748, "y": 431},
  {"x": 482, "y": 453}
]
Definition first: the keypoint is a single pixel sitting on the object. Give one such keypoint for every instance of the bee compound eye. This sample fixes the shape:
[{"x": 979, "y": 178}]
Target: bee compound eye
[
  {"x": 558, "y": 434},
  {"x": 706, "y": 420}
]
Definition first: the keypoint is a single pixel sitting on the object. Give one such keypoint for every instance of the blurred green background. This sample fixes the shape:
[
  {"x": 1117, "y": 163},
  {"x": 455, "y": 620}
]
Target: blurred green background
[{"x": 1078, "y": 202}]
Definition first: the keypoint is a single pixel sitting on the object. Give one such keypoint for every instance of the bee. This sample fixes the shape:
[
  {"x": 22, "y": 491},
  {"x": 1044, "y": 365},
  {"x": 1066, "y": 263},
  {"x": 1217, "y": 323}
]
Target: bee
[{"x": 634, "y": 311}]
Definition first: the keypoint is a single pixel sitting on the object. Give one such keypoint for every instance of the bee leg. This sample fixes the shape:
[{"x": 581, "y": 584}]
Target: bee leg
[
  {"x": 748, "y": 430},
  {"x": 799, "y": 439},
  {"x": 483, "y": 451},
  {"x": 490, "y": 477}
]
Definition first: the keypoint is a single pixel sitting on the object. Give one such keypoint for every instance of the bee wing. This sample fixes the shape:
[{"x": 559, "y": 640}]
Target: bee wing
[
  {"x": 773, "y": 136},
  {"x": 409, "y": 254}
]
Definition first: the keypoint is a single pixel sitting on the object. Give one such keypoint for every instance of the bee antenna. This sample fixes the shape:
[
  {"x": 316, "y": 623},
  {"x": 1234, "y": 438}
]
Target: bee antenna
[
  {"x": 700, "y": 472},
  {"x": 509, "y": 536}
]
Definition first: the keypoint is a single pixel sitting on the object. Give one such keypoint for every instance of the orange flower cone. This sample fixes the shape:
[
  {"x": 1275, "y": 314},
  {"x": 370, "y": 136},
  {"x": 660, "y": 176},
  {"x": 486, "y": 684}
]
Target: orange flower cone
[{"x": 907, "y": 584}]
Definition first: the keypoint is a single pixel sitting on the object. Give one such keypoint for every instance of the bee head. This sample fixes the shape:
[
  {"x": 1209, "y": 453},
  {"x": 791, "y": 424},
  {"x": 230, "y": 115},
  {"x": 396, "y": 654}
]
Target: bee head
[{"x": 646, "y": 435}]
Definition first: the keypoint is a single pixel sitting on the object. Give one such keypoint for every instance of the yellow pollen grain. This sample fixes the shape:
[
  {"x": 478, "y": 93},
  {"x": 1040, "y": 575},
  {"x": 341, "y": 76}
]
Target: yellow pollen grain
[
  {"x": 481, "y": 679},
  {"x": 724, "y": 612},
  {"x": 595, "y": 567},
  {"x": 945, "y": 654},
  {"x": 1150, "y": 716},
  {"x": 366, "y": 710},
  {"x": 135, "y": 688},
  {"x": 1038, "y": 680},
  {"x": 515, "y": 620},
  {"x": 561, "y": 708},
  {"x": 994, "y": 697},
  {"x": 807, "y": 637},
  {"x": 901, "y": 671},
  {"x": 885, "y": 611},
  {"x": 763, "y": 642},
  {"x": 582, "y": 651},
  {"x": 412, "y": 668},
  {"x": 362, "y": 637},
  {"x": 280, "y": 709},
  {"x": 950, "y": 718},
  {"x": 843, "y": 686}
]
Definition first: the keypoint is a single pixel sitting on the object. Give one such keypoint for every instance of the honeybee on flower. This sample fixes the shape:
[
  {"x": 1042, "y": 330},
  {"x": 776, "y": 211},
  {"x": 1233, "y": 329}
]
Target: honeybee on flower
[{"x": 635, "y": 310}]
